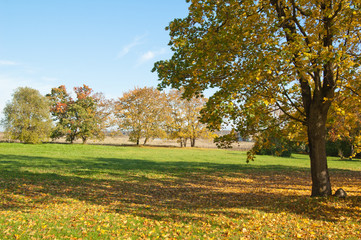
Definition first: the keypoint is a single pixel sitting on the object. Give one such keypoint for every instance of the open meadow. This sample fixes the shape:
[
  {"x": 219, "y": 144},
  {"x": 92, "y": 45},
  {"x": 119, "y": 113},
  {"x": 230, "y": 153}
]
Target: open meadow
[{"x": 63, "y": 191}]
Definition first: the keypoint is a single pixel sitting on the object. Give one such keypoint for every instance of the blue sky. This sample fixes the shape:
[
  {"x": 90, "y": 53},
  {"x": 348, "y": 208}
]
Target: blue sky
[{"x": 109, "y": 45}]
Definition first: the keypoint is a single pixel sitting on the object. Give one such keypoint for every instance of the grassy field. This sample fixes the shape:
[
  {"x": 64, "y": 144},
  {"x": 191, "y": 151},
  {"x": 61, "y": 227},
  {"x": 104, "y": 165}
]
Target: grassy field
[{"x": 62, "y": 191}]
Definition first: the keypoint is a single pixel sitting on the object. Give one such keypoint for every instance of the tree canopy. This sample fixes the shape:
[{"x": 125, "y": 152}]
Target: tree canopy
[
  {"x": 26, "y": 117},
  {"x": 273, "y": 63}
]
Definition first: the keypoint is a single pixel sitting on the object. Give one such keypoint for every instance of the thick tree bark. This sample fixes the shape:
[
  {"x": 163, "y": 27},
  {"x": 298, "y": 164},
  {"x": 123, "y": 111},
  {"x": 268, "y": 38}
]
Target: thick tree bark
[{"x": 321, "y": 185}]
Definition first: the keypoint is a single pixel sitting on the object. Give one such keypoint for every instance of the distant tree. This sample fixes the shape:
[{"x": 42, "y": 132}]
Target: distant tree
[
  {"x": 141, "y": 112},
  {"x": 81, "y": 118},
  {"x": 176, "y": 124},
  {"x": 26, "y": 117},
  {"x": 195, "y": 128},
  {"x": 184, "y": 120},
  {"x": 105, "y": 112},
  {"x": 90, "y": 119},
  {"x": 61, "y": 110}
]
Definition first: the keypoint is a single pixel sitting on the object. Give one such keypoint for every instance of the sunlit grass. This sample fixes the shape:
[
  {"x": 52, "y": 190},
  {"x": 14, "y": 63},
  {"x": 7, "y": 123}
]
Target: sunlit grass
[{"x": 62, "y": 191}]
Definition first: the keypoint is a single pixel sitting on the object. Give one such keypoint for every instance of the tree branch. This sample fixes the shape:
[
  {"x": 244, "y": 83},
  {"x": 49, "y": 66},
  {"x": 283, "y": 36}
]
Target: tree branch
[
  {"x": 303, "y": 12},
  {"x": 292, "y": 103},
  {"x": 289, "y": 115},
  {"x": 298, "y": 23},
  {"x": 337, "y": 11},
  {"x": 353, "y": 91}
]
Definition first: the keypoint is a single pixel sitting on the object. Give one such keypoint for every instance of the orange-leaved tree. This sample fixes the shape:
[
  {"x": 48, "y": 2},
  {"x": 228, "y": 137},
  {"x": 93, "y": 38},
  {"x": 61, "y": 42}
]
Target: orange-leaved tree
[{"x": 268, "y": 56}]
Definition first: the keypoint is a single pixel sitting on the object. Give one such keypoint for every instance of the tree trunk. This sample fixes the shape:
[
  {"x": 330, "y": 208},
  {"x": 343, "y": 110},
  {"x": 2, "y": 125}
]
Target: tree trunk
[
  {"x": 185, "y": 142},
  {"x": 193, "y": 142},
  {"x": 145, "y": 141},
  {"x": 72, "y": 138},
  {"x": 138, "y": 142},
  {"x": 321, "y": 185}
]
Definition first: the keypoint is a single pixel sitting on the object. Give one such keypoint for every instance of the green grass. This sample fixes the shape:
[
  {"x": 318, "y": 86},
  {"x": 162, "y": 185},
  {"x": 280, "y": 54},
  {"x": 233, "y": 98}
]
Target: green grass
[{"x": 62, "y": 191}]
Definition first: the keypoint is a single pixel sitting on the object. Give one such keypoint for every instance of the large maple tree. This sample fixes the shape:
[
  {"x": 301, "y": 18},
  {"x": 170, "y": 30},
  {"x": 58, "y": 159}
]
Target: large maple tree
[{"x": 272, "y": 63}]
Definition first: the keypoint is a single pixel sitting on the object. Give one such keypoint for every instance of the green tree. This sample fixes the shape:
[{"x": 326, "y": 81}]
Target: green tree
[
  {"x": 27, "y": 117},
  {"x": 142, "y": 113},
  {"x": 82, "y": 118},
  {"x": 266, "y": 56}
]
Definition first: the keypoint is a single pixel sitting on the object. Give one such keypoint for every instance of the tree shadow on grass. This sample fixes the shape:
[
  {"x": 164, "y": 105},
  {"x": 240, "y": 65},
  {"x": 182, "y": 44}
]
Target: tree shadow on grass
[{"x": 171, "y": 191}]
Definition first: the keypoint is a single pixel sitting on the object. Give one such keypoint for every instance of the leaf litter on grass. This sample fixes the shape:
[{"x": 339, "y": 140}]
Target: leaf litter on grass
[{"x": 166, "y": 203}]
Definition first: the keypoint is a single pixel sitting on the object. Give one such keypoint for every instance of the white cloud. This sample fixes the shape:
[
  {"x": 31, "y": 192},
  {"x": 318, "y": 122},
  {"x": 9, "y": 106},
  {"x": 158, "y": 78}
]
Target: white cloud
[
  {"x": 126, "y": 49},
  {"x": 150, "y": 55},
  {"x": 147, "y": 56},
  {"x": 7, "y": 63}
]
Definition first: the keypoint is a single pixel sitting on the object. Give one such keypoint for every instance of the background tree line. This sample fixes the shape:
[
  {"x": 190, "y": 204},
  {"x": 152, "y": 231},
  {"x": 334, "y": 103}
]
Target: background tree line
[
  {"x": 147, "y": 113},
  {"x": 142, "y": 113}
]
